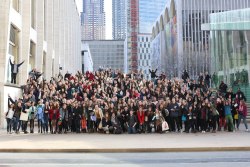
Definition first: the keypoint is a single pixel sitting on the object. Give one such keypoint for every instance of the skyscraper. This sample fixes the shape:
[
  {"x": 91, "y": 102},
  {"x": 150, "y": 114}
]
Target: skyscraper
[
  {"x": 131, "y": 59},
  {"x": 149, "y": 10},
  {"x": 93, "y": 20},
  {"x": 141, "y": 15},
  {"x": 119, "y": 19}
]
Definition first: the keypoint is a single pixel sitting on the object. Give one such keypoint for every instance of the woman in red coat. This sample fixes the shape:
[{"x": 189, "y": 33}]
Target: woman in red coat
[
  {"x": 242, "y": 114},
  {"x": 141, "y": 119},
  {"x": 54, "y": 117}
]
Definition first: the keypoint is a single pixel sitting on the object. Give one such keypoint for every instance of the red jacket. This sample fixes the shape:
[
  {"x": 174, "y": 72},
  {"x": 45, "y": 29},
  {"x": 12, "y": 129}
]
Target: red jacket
[
  {"x": 141, "y": 117},
  {"x": 244, "y": 111},
  {"x": 51, "y": 113}
]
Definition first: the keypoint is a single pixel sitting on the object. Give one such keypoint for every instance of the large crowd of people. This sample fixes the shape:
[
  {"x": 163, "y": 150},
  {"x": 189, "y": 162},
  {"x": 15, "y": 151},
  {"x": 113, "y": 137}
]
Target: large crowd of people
[{"x": 109, "y": 101}]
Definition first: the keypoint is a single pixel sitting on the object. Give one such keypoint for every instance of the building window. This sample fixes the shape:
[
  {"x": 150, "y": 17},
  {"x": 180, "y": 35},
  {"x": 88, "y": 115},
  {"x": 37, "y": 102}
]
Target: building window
[
  {"x": 16, "y": 5},
  {"x": 14, "y": 42},
  {"x": 33, "y": 14},
  {"x": 32, "y": 55},
  {"x": 13, "y": 49}
]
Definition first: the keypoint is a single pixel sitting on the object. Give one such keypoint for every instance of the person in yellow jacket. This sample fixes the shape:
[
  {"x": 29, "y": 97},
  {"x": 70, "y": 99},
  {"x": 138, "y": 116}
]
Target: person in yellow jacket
[{"x": 99, "y": 115}]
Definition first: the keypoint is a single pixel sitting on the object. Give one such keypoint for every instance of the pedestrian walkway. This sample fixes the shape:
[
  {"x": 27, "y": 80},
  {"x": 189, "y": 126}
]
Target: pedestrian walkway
[{"x": 222, "y": 141}]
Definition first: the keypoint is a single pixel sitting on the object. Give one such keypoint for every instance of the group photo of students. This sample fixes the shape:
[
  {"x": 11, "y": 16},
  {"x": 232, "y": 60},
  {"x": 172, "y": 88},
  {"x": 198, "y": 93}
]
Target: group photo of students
[{"x": 111, "y": 102}]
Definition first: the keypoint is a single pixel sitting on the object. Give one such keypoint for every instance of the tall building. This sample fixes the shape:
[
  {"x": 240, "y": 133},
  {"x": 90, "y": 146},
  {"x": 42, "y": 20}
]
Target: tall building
[
  {"x": 106, "y": 53},
  {"x": 119, "y": 19},
  {"x": 132, "y": 35},
  {"x": 144, "y": 54},
  {"x": 93, "y": 20},
  {"x": 141, "y": 15},
  {"x": 43, "y": 34},
  {"x": 149, "y": 10},
  {"x": 177, "y": 40}
]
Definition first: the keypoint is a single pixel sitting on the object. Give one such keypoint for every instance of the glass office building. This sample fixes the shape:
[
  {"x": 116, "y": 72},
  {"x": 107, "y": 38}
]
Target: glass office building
[
  {"x": 230, "y": 46},
  {"x": 149, "y": 10},
  {"x": 178, "y": 42},
  {"x": 119, "y": 19},
  {"x": 93, "y": 20}
]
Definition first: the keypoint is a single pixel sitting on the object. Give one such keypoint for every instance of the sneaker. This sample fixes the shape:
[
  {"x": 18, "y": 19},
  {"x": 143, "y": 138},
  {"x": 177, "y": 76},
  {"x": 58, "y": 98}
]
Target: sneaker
[
  {"x": 213, "y": 131},
  {"x": 203, "y": 131},
  {"x": 246, "y": 130}
]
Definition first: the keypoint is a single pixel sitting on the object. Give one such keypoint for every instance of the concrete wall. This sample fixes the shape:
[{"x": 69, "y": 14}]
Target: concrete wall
[{"x": 14, "y": 92}]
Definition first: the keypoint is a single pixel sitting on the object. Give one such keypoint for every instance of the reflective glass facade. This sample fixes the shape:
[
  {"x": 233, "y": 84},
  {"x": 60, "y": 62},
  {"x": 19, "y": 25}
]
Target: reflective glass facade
[
  {"x": 149, "y": 10},
  {"x": 119, "y": 19},
  {"x": 183, "y": 44},
  {"x": 93, "y": 20},
  {"x": 230, "y": 46}
]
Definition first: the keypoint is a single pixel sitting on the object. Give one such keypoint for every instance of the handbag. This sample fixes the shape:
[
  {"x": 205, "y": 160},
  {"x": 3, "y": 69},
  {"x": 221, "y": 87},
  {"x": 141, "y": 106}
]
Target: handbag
[
  {"x": 165, "y": 126},
  {"x": 236, "y": 116},
  {"x": 184, "y": 118},
  {"x": 166, "y": 112},
  {"x": 93, "y": 118}
]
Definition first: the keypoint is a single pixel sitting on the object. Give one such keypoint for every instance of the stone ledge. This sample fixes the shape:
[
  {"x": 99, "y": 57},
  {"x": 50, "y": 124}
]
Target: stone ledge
[
  {"x": 126, "y": 150},
  {"x": 12, "y": 85}
]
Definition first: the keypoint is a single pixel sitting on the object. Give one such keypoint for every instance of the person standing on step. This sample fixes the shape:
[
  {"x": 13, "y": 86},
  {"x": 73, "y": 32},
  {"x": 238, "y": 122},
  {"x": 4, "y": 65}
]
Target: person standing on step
[{"x": 14, "y": 70}]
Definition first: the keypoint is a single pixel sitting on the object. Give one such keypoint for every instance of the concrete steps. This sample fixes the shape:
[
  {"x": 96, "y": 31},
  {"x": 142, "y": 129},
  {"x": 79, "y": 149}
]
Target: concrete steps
[{"x": 248, "y": 112}]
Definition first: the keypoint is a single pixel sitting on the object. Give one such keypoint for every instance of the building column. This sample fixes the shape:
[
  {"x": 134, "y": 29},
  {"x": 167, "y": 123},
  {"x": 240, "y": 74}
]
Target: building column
[
  {"x": 50, "y": 44},
  {"x": 40, "y": 35},
  {"x": 4, "y": 41},
  {"x": 25, "y": 40}
]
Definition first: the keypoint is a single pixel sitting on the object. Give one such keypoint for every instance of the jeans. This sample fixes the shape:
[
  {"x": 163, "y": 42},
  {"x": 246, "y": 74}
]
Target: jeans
[
  {"x": 77, "y": 125},
  {"x": 31, "y": 125},
  {"x": 13, "y": 78},
  {"x": 45, "y": 124},
  {"x": 17, "y": 123},
  {"x": 203, "y": 124},
  {"x": 9, "y": 122},
  {"x": 131, "y": 130},
  {"x": 175, "y": 123},
  {"x": 65, "y": 125},
  {"x": 214, "y": 118},
  {"x": 24, "y": 125},
  {"x": 244, "y": 121},
  {"x": 40, "y": 126},
  {"x": 193, "y": 125}
]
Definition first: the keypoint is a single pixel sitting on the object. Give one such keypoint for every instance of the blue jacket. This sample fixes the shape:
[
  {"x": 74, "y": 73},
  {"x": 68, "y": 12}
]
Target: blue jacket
[
  {"x": 227, "y": 110},
  {"x": 40, "y": 115}
]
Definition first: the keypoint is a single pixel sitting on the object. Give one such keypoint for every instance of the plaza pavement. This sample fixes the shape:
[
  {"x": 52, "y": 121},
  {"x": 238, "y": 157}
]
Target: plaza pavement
[{"x": 167, "y": 142}]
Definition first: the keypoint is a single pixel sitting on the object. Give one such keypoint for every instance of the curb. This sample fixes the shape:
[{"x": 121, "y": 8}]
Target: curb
[{"x": 127, "y": 150}]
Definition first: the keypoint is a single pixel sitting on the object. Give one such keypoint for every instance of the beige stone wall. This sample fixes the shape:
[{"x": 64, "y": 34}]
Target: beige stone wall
[{"x": 59, "y": 39}]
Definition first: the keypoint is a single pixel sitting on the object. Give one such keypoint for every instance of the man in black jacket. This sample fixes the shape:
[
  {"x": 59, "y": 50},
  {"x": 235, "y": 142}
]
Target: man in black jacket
[
  {"x": 14, "y": 70},
  {"x": 153, "y": 75}
]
